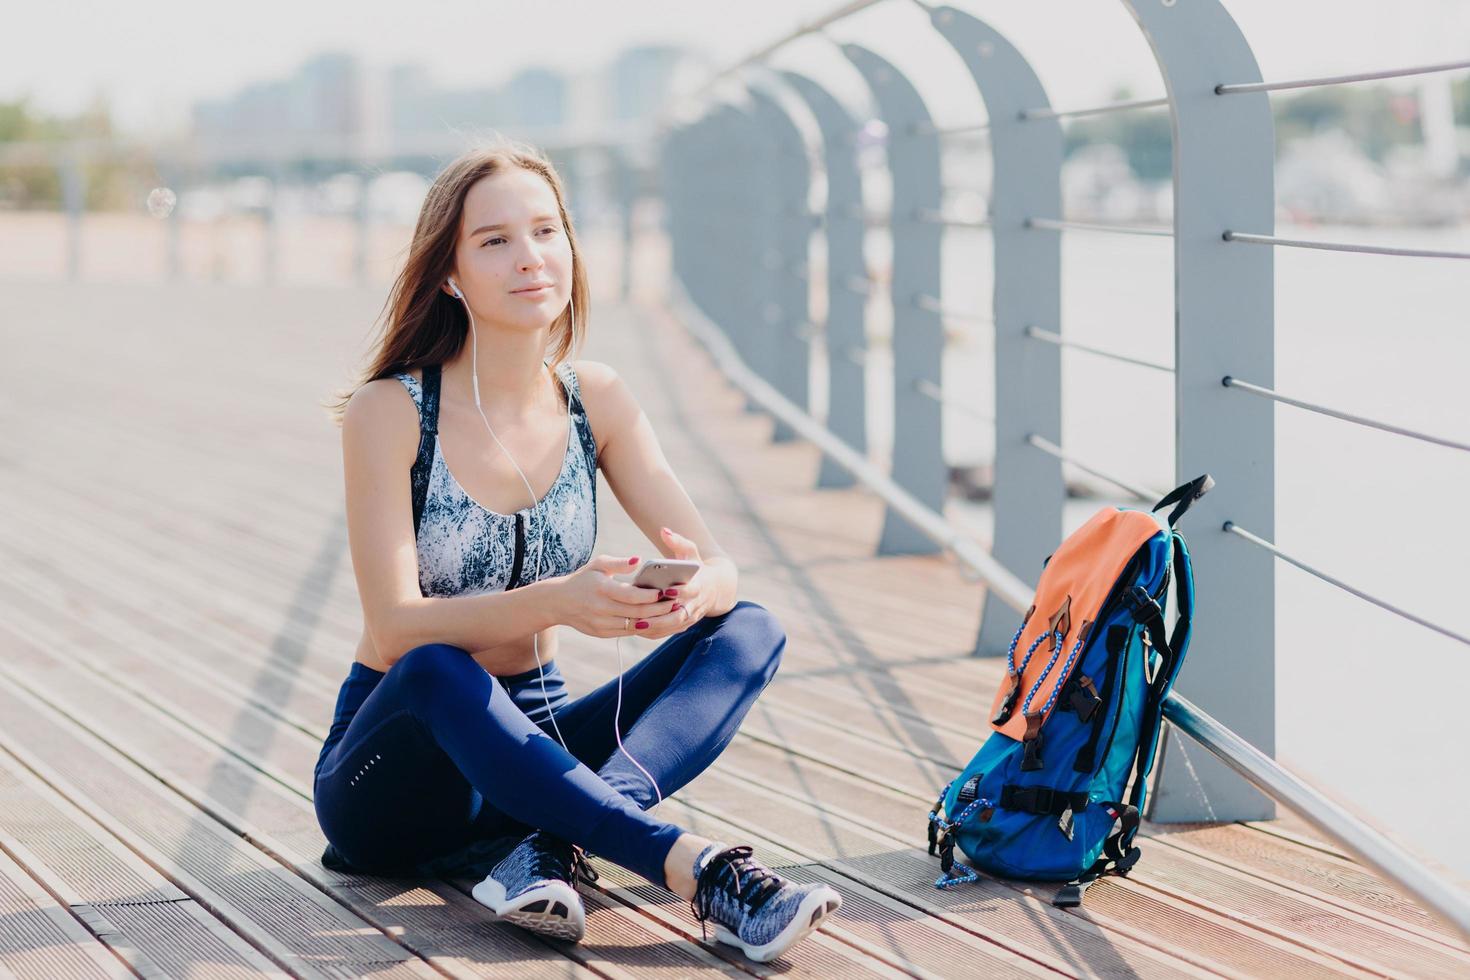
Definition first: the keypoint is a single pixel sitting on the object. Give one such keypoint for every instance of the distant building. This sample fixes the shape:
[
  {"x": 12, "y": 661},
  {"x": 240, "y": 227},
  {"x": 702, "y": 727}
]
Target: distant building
[
  {"x": 640, "y": 79},
  {"x": 536, "y": 97},
  {"x": 332, "y": 104},
  {"x": 324, "y": 101}
]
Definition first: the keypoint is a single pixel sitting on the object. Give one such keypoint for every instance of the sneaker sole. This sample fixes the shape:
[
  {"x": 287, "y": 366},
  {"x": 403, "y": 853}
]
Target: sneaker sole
[
  {"x": 809, "y": 917},
  {"x": 553, "y": 909}
]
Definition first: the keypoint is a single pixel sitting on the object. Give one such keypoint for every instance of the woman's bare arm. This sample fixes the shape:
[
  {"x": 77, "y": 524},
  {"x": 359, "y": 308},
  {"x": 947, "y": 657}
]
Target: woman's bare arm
[
  {"x": 645, "y": 484},
  {"x": 472, "y": 622}
]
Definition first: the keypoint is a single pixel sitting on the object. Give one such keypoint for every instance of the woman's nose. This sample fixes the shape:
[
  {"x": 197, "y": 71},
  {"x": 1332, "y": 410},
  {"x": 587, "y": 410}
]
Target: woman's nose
[{"x": 530, "y": 257}]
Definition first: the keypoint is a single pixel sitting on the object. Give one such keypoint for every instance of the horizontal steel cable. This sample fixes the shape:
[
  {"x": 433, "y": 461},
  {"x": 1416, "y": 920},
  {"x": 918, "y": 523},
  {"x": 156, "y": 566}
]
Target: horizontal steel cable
[
  {"x": 1233, "y": 382},
  {"x": 1028, "y": 115},
  {"x": 1235, "y": 529},
  {"x": 1339, "y": 79},
  {"x": 1053, "y": 224},
  {"x": 1423, "y": 253},
  {"x": 1060, "y": 341},
  {"x": 932, "y": 390},
  {"x": 1052, "y": 449}
]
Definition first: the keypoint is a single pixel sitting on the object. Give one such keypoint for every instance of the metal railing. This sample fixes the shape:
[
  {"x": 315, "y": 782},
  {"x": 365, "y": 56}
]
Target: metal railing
[
  {"x": 749, "y": 146},
  {"x": 593, "y": 161}
]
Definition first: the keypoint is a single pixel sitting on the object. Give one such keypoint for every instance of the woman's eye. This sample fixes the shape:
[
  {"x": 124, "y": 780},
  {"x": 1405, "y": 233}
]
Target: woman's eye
[{"x": 550, "y": 228}]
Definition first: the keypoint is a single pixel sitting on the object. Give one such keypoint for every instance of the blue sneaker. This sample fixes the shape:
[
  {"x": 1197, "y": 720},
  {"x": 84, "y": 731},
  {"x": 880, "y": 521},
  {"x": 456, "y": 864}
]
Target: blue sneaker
[
  {"x": 751, "y": 906},
  {"x": 535, "y": 887}
]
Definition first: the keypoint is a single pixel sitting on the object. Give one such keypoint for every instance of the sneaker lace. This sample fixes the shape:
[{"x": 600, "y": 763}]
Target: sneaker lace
[
  {"x": 561, "y": 860},
  {"x": 736, "y": 873}
]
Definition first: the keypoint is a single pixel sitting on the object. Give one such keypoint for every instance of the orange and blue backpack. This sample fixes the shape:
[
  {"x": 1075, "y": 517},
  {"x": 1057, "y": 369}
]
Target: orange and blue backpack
[{"x": 1079, "y": 710}]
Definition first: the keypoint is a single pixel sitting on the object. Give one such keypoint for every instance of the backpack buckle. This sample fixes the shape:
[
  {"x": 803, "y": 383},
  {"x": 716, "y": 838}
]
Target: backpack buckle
[
  {"x": 1008, "y": 703},
  {"x": 1136, "y": 598},
  {"x": 1031, "y": 758},
  {"x": 1084, "y": 699}
]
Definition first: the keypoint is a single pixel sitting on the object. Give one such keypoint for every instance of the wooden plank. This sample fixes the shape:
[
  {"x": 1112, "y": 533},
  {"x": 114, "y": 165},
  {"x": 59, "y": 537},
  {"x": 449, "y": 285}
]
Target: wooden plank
[
  {"x": 229, "y": 550},
  {"x": 1248, "y": 925},
  {"x": 163, "y": 684},
  {"x": 202, "y": 708},
  {"x": 40, "y": 938},
  {"x": 619, "y": 935},
  {"x": 293, "y": 924},
  {"x": 100, "y": 707},
  {"x": 123, "y": 901}
]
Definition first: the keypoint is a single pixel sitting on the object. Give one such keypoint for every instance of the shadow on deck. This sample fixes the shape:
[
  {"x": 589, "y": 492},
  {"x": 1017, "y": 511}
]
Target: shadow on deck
[{"x": 178, "y": 609}]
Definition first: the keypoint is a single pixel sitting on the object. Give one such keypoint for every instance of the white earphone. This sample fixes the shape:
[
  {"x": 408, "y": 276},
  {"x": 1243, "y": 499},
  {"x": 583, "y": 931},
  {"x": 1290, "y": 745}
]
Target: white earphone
[{"x": 540, "y": 541}]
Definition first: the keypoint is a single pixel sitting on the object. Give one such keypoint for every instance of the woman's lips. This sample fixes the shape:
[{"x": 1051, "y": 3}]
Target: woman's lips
[{"x": 537, "y": 291}]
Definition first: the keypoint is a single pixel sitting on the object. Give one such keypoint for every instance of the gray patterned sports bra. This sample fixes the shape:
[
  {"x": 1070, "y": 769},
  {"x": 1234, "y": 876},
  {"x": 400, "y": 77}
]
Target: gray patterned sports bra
[{"x": 464, "y": 548}]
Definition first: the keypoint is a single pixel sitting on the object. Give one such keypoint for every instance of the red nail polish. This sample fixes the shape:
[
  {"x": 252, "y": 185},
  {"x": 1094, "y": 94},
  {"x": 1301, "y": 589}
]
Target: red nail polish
[
  {"x": 675, "y": 607},
  {"x": 671, "y": 592},
  {"x": 632, "y": 561},
  {"x": 641, "y": 624}
]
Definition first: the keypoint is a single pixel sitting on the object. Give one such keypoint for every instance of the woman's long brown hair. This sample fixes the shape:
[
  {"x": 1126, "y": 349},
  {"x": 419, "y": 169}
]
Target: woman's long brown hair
[{"x": 424, "y": 325}]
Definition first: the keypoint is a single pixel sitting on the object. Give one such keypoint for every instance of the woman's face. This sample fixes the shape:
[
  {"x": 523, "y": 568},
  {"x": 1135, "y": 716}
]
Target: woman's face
[{"x": 510, "y": 238}]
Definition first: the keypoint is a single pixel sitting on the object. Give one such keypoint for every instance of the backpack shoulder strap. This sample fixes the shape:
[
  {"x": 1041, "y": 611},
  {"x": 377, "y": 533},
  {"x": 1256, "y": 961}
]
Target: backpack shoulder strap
[
  {"x": 1185, "y": 496},
  {"x": 1119, "y": 851}
]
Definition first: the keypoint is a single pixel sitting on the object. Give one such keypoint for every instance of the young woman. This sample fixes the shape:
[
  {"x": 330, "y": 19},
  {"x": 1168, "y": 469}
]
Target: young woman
[{"x": 470, "y": 454}]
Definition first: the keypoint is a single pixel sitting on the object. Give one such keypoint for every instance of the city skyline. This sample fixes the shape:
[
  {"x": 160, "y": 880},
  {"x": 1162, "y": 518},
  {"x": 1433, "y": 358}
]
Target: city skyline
[{"x": 153, "y": 62}]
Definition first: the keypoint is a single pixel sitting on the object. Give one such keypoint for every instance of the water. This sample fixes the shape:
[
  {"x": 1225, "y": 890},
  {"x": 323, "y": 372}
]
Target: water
[{"x": 1370, "y": 707}]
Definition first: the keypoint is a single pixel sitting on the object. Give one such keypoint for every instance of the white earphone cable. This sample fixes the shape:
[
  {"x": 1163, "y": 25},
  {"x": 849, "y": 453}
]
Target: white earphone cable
[{"x": 540, "y": 542}]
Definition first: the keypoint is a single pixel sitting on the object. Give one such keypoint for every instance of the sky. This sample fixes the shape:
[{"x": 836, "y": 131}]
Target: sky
[{"x": 154, "y": 58}]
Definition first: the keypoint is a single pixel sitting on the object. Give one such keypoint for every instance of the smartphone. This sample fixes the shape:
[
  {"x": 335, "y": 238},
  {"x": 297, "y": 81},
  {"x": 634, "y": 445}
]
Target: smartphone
[{"x": 663, "y": 573}]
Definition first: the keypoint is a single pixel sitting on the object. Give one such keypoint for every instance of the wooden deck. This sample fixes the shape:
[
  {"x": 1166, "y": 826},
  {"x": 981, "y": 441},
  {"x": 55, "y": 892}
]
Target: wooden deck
[{"x": 177, "y": 609}]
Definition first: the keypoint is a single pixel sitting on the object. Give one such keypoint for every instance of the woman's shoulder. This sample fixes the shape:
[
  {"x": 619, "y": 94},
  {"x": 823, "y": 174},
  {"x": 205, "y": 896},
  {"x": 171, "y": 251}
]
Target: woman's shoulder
[
  {"x": 607, "y": 399},
  {"x": 593, "y": 376},
  {"x": 384, "y": 409}
]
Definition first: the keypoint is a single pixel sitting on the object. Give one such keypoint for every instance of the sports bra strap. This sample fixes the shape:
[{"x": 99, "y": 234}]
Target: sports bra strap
[
  {"x": 428, "y": 430},
  {"x": 429, "y": 412}
]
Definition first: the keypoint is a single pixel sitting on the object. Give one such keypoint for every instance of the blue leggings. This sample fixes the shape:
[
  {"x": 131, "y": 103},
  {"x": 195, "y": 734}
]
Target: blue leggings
[{"x": 436, "y": 757}]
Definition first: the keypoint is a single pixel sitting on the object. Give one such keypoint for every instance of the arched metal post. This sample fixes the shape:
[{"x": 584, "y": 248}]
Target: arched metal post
[
  {"x": 725, "y": 213},
  {"x": 672, "y": 170},
  {"x": 786, "y": 182},
  {"x": 672, "y": 149},
  {"x": 918, "y": 335},
  {"x": 1224, "y": 177},
  {"x": 698, "y": 165},
  {"x": 703, "y": 149},
  {"x": 749, "y": 268},
  {"x": 1029, "y": 491},
  {"x": 845, "y": 329}
]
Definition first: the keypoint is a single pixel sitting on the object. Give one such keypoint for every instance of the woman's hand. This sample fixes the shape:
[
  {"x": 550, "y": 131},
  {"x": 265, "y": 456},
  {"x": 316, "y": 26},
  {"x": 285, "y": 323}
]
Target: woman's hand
[
  {"x": 591, "y": 601},
  {"x": 688, "y": 602}
]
